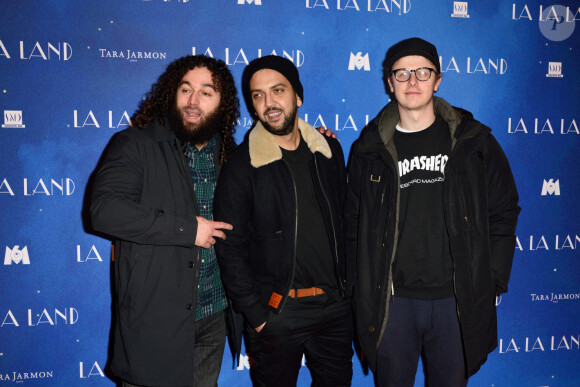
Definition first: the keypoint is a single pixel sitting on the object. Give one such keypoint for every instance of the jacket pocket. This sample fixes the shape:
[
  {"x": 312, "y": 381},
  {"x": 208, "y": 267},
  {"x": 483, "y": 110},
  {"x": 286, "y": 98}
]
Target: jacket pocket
[
  {"x": 135, "y": 296},
  {"x": 266, "y": 252},
  {"x": 472, "y": 186}
]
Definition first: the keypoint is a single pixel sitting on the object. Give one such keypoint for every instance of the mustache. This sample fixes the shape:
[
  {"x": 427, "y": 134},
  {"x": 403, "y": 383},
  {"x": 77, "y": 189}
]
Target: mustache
[
  {"x": 194, "y": 108},
  {"x": 272, "y": 109}
]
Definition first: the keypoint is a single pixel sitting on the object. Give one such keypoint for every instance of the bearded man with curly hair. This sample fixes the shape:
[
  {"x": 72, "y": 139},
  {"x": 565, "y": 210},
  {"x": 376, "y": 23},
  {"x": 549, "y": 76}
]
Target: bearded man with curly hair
[{"x": 153, "y": 195}]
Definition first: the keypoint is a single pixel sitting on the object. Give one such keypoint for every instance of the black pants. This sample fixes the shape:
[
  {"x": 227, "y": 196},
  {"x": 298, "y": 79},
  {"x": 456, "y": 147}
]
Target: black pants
[
  {"x": 318, "y": 327},
  {"x": 210, "y": 341}
]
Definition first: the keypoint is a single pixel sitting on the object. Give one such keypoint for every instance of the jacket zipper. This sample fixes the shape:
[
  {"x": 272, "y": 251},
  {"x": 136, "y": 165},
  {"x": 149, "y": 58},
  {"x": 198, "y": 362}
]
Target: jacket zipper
[
  {"x": 461, "y": 140},
  {"x": 295, "y": 234},
  {"x": 390, "y": 283}
]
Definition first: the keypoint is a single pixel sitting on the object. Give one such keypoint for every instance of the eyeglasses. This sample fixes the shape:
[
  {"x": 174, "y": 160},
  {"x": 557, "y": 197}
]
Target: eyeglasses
[{"x": 422, "y": 74}]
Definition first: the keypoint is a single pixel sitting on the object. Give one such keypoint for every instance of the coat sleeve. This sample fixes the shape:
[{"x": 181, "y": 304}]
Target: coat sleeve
[
  {"x": 503, "y": 213},
  {"x": 115, "y": 207},
  {"x": 233, "y": 204}
]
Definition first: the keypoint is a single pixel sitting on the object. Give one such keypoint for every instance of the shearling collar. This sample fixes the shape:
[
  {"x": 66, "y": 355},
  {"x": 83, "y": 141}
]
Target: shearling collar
[{"x": 264, "y": 150}]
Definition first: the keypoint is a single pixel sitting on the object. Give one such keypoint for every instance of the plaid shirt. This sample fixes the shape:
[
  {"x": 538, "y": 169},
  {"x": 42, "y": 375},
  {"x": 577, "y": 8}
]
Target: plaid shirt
[{"x": 211, "y": 297}]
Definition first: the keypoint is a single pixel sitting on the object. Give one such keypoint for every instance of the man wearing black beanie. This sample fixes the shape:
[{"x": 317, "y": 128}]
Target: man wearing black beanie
[
  {"x": 431, "y": 216},
  {"x": 283, "y": 264}
]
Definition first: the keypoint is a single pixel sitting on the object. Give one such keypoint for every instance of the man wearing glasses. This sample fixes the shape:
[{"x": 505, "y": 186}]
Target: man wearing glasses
[{"x": 431, "y": 218}]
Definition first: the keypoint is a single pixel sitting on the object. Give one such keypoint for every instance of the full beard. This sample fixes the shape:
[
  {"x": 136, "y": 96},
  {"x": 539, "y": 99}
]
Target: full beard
[
  {"x": 287, "y": 126},
  {"x": 194, "y": 133}
]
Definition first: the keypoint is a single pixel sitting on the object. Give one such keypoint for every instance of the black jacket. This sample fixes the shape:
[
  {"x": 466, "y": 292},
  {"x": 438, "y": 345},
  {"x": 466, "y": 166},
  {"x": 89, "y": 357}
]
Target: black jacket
[
  {"x": 143, "y": 198},
  {"x": 481, "y": 211},
  {"x": 256, "y": 194}
]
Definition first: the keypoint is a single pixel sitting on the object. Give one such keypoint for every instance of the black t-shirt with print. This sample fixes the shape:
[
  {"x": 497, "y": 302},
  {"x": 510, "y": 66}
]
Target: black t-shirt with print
[{"x": 423, "y": 268}]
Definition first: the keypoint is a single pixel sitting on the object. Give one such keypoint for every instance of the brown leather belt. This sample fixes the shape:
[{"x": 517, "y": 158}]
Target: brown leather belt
[{"x": 299, "y": 293}]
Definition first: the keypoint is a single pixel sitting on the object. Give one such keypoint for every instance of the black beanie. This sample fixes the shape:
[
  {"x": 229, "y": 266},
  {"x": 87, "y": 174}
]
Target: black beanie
[
  {"x": 412, "y": 46},
  {"x": 272, "y": 62}
]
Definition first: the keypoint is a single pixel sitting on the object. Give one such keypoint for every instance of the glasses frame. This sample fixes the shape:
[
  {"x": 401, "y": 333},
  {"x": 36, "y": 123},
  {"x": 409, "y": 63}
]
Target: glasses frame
[{"x": 394, "y": 73}]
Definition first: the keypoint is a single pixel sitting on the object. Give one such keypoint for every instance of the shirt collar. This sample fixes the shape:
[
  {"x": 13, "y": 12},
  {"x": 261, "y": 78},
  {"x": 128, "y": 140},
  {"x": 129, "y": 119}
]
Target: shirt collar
[{"x": 208, "y": 149}]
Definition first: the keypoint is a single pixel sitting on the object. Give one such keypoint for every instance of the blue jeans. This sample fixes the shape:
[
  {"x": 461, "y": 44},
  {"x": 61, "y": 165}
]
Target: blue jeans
[{"x": 416, "y": 328}]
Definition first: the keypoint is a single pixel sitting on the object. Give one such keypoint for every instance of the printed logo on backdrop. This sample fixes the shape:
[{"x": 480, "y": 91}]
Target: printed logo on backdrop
[
  {"x": 245, "y": 122},
  {"x": 13, "y": 119},
  {"x": 539, "y": 343},
  {"x": 89, "y": 255},
  {"x": 36, "y": 50},
  {"x": 56, "y": 187},
  {"x": 552, "y": 242},
  {"x": 460, "y": 9},
  {"x": 256, "y": 2},
  {"x": 131, "y": 55},
  {"x": 469, "y": 65},
  {"x": 20, "y": 377},
  {"x": 554, "y": 70},
  {"x": 551, "y": 187},
  {"x": 33, "y": 318},
  {"x": 388, "y": 6},
  {"x": 16, "y": 255},
  {"x": 90, "y": 370},
  {"x": 243, "y": 57},
  {"x": 542, "y": 126},
  {"x": 338, "y": 122},
  {"x": 359, "y": 61},
  {"x": 110, "y": 119},
  {"x": 554, "y": 298}
]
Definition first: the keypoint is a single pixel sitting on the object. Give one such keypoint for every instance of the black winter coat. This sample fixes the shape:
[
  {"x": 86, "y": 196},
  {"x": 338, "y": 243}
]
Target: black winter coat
[
  {"x": 481, "y": 211},
  {"x": 256, "y": 194},
  {"x": 143, "y": 198}
]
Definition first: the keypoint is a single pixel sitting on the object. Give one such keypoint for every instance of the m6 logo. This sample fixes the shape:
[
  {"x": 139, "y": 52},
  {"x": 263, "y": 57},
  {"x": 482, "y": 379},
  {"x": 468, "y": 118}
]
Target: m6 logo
[
  {"x": 359, "y": 61},
  {"x": 16, "y": 255},
  {"x": 551, "y": 187}
]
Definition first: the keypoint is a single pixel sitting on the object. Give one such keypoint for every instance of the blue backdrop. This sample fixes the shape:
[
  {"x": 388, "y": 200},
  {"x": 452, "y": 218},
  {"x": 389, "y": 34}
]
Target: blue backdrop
[{"x": 73, "y": 72}]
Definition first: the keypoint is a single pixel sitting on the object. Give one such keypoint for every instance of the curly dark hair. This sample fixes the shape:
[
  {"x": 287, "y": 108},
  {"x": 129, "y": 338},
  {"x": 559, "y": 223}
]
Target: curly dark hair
[{"x": 161, "y": 98}]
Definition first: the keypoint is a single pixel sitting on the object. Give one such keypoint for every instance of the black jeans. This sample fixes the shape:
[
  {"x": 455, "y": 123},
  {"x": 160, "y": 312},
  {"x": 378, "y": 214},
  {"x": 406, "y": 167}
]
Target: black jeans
[
  {"x": 318, "y": 327},
  {"x": 210, "y": 341}
]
